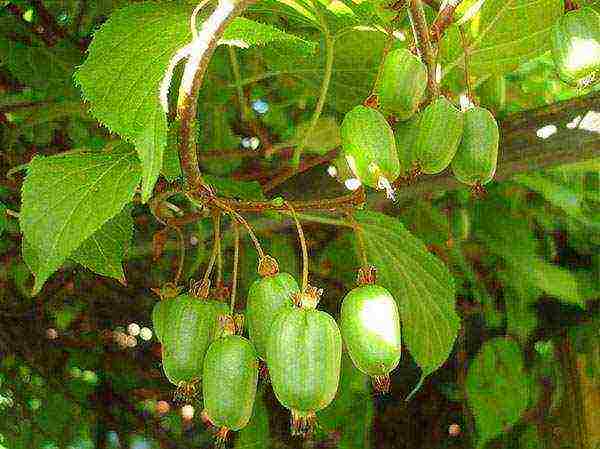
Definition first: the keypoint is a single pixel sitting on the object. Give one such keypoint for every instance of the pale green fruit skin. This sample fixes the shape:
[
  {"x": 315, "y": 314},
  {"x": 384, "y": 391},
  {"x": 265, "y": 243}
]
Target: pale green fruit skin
[
  {"x": 402, "y": 84},
  {"x": 370, "y": 326},
  {"x": 229, "y": 380},
  {"x": 406, "y": 135},
  {"x": 160, "y": 314},
  {"x": 192, "y": 326},
  {"x": 477, "y": 156},
  {"x": 369, "y": 146},
  {"x": 266, "y": 298},
  {"x": 304, "y": 353},
  {"x": 440, "y": 131},
  {"x": 575, "y": 27}
]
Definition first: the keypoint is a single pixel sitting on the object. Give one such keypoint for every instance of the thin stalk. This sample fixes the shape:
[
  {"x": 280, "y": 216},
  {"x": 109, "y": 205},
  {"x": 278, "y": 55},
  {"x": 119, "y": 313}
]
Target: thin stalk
[
  {"x": 303, "y": 246},
  {"x": 466, "y": 68},
  {"x": 360, "y": 239},
  {"x": 216, "y": 243},
  {"x": 219, "y": 281},
  {"x": 237, "y": 76},
  {"x": 181, "y": 249},
  {"x": 329, "y": 52},
  {"x": 245, "y": 223},
  {"x": 236, "y": 259}
]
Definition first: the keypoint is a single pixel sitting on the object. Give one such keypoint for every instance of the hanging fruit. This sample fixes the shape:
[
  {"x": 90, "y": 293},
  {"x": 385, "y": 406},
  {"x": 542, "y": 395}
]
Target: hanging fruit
[
  {"x": 160, "y": 314},
  {"x": 191, "y": 325},
  {"x": 440, "y": 130},
  {"x": 475, "y": 161},
  {"x": 370, "y": 327},
  {"x": 402, "y": 84},
  {"x": 267, "y": 296},
  {"x": 304, "y": 353},
  {"x": 370, "y": 149},
  {"x": 576, "y": 47},
  {"x": 229, "y": 380}
]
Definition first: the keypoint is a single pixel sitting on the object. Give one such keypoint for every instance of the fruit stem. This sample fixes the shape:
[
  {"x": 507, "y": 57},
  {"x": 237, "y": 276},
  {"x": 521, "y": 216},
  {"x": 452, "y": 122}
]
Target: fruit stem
[
  {"x": 181, "y": 261},
  {"x": 367, "y": 275},
  {"x": 362, "y": 249},
  {"x": 242, "y": 220},
  {"x": 466, "y": 52},
  {"x": 213, "y": 255},
  {"x": 236, "y": 259},
  {"x": 303, "y": 246}
]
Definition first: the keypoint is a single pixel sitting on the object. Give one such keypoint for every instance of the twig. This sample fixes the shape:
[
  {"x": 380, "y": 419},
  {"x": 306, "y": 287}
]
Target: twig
[
  {"x": 201, "y": 51},
  {"x": 466, "y": 51},
  {"x": 443, "y": 20},
  {"x": 303, "y": 246},
  {"x": 181, "y": 248},
  {"x": 213, "y": 255},
  {"x": 236, "y": 258},
  {"x": 421, "y": 33},
  {"x": 360, "y": 239}
]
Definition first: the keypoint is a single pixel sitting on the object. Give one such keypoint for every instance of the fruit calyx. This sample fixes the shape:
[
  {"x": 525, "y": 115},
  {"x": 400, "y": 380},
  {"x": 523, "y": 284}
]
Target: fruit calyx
[
  {"x": 186, "y": 391},
  {"x": 221, "y": 438},
  {"x": 367, "y": 275},
  {"x": 302, "y": 423},
  {"x": 309, "y": 298},
  {"x": 268, "y": 266},
  {"x": 200, "y": 289},
  {"x": 167, "y": 291},
  {"x": 371, "y": 101},
  {"x": 230, "y": 325},
  {"x": 381, "y": 384}
]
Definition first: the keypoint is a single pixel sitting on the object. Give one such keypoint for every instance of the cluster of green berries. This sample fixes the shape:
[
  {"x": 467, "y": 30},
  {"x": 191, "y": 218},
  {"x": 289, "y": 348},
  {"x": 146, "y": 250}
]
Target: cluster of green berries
[{"x": 300, "y": 345}]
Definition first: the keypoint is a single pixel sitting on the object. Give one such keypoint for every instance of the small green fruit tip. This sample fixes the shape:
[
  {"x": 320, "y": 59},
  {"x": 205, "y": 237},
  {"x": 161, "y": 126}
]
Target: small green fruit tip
[
  {"x": 381, "y": 384},
  {"x": 302, "y": 423},
  {"x": 186, "y": 391},
  {"x": 367, "y": 275},
  {"x": 221, "y": 438}
]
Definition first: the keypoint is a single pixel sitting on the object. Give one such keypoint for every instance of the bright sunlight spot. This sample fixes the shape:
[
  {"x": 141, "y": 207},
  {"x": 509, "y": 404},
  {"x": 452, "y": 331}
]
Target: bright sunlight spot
[
  {"x": 591, "y": 122},
  {"x": 583, "y": 53},
  {"x": 375, "y": 316},
  {"x": 546, "y": 131},
  {"x": 574, "y": 123}
]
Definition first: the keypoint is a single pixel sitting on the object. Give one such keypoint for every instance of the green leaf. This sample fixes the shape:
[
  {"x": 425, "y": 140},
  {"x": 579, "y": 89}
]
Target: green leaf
[
  {"x": 66, "y": 198},
  {"x": 253, "y": 33},
  {"x": 3, "y": 218},
  {"x": 325, "y": 136},
  {"x": 502, "y": 34},
  {"x": 121, "y": 75},
  {"x": 498, "y": 388},
  {"x": 421, "y": 284},
  {"x": 103, "y": 251},
  {"x": 38, "y": 66}
]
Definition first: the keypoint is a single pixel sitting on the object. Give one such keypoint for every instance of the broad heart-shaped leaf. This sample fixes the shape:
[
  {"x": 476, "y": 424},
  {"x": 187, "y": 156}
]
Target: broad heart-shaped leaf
[
  {"x": 498, "y": 388},
  {"x": 502, "y": 35},
  {"x": 66, "y": 198},
  {"x": 121, "y": 76},
  {"x": 126, "y": 63},
  {"x": 421, "y": 284},
  {"x": 104, "y": 250}
]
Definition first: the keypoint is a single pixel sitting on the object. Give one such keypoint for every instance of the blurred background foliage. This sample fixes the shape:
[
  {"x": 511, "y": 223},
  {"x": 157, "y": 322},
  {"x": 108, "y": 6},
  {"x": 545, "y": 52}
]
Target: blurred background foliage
[{"x": 74, "y": 371}]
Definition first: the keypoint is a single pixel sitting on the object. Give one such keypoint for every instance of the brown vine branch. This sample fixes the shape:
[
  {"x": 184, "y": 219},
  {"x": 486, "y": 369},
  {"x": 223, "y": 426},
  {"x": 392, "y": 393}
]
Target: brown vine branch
[
  {"x": 443, "y": 20},
  {"x": 421, "y": 33},
  {"x": 201, "y": 51}
]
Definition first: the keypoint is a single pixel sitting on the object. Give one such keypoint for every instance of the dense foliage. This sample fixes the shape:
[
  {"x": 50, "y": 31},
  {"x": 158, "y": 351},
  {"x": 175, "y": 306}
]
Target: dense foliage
[{"x": 217, "y": 172}]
